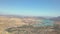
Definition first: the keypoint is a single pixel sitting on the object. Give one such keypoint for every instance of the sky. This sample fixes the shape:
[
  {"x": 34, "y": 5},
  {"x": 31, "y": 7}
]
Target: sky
[{"x": 30, "y": 7}]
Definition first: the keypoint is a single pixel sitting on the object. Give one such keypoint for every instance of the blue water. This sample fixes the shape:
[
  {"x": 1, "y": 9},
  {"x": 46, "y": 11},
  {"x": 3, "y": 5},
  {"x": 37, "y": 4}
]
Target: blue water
[{"x": 45, "y": 22}]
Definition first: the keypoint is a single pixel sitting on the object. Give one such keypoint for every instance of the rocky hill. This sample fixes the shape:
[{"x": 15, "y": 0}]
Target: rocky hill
[
  {"x": 7, "y": 21},
  {"x": 56, "y": 18}
]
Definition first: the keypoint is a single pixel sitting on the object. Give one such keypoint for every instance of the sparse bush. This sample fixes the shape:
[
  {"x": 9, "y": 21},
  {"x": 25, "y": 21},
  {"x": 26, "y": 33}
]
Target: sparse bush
[{"x": 57, "y": 28}]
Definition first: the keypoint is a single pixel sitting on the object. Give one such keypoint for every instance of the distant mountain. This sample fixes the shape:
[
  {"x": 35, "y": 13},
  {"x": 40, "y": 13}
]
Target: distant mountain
[
  {"x": 15, "y": 16},
  {"x": 39, "y": 17},
  {"x": 55, "y": 18},
  {"x": 20, "y": 16}
]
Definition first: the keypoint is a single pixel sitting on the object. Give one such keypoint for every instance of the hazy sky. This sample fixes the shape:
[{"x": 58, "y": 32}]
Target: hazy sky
[{"x": 30, "y": 7}]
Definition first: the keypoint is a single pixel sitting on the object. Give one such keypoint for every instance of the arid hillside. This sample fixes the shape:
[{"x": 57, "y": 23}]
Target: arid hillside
[
  {"x": 14, "y": 21},
  {"x": 7, "y": 22}
]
